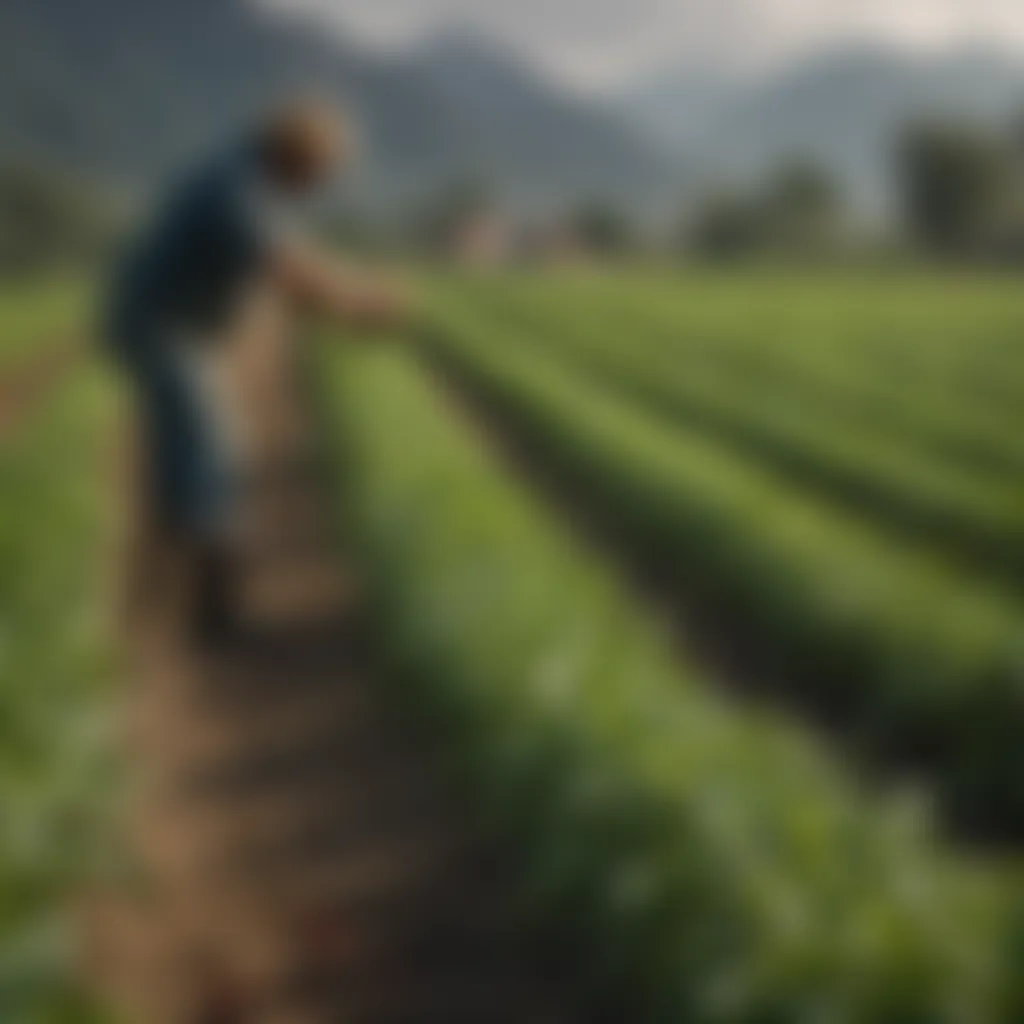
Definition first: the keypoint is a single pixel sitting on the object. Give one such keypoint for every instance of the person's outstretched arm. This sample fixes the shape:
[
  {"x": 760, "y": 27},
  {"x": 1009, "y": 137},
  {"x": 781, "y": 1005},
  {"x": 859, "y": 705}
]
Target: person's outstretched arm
[{"x": 322, "y": 282}]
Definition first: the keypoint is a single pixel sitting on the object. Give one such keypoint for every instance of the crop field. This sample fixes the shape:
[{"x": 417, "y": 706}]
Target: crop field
[
  {"x": 825, "y": 476},
  {"x": 810, "y": 473},
  {"x": 35, "y": 318},
  {"x": 54, "y": 663},
  {"x": 713, "y": 586}
]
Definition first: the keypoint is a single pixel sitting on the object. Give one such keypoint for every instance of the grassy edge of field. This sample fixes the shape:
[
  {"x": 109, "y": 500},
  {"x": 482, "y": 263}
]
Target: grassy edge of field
[
  {"x": 39, "y": 319},
  {"x": 57, "y": 669}
]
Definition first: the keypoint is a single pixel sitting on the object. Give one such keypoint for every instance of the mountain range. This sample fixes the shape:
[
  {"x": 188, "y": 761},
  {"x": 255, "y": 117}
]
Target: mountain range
[
  {"x": 129, "y": 90},
  {"x": 844, "y": 108}
]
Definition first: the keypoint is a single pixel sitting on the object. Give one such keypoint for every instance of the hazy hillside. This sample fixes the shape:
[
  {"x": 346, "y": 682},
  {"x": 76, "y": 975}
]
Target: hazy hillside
[
  {"x": 521, "y": 134},
  {"x": 131, "y": 88},
  {"x": 679, "y": 106},
  {"x": 844, "y": 108}
]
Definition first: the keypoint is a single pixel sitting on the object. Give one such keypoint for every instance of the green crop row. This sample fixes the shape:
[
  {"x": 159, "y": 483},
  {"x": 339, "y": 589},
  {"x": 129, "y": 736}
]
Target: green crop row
[
  {"x": 918, "y": 662},
  {"x": 944, "y": 371},
  {"x": 53, "y": 667},
  {"x": 956, "y": 335},
  {"x": 711, "y": 865},
  {"x": 976, "y": 518},
  {"x": 894, "y": 367},
  {"x": 796, "y": 363}
]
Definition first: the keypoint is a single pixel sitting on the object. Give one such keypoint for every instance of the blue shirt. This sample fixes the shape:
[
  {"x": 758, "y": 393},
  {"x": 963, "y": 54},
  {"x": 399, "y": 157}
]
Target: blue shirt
[{"x": 192, "y": 265}]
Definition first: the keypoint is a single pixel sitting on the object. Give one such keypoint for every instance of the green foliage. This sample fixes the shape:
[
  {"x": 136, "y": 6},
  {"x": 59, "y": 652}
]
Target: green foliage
[
  {"x": 709, "y": 862},
  {"x": 601, "y": 228},
  {"x": 726, "y": 227},
  {"x": 36, "y": 317},
  {"x": 46, "y": 222},
  {"x": 852, "y": 459},
  {"x": 804, "y": 210},
  {"x": 924, "y": 663},
  {"x": 797, "y": 214},
  {"x": 54, "y": 662},
  {"x": 958, "y": 185},
  {"x": 932, "y": 362}
]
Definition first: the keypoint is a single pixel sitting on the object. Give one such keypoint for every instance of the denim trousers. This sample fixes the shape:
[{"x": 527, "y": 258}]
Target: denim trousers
[{"x": 190, "y": 464}]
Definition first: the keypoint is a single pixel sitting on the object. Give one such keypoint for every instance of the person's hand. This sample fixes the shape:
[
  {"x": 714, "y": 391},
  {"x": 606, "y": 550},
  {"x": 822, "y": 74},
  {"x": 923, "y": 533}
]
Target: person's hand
[
  {"x": 385, "y": 306},
  {"x": 388, "y": 305},
  {"x": 351, "y": 297}
]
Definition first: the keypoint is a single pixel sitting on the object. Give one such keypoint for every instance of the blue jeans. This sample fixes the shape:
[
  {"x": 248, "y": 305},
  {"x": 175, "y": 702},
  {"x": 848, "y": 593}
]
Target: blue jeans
[{"x": 190, "y": 470}]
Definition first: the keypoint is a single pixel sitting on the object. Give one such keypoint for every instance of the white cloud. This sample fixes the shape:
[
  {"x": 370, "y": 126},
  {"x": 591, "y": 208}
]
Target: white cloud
[{"x": 593, "y": 42}]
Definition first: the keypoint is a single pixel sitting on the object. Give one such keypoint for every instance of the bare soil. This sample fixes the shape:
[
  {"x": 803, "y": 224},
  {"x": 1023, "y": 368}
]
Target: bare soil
[{"x": 297, "y": 853}]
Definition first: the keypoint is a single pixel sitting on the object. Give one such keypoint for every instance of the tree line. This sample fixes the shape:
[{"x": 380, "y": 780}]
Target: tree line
[{"x": 959, "y": 195}]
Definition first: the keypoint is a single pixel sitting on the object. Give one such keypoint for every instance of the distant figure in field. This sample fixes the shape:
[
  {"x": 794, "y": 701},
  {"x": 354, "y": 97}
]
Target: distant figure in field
[{"x": 231, "y": 229}]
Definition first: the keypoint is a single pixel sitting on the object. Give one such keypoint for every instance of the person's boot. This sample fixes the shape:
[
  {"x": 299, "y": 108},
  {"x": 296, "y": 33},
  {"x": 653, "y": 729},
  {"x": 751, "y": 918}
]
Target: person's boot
[{"x": 215, "y": 621}]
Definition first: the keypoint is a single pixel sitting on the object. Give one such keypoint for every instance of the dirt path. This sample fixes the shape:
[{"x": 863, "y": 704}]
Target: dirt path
[{"x": 296, "y": 855}]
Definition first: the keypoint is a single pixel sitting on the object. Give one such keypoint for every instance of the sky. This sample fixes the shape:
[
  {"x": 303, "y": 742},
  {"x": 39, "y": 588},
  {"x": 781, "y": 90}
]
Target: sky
[{"x": 597, "y": 44}]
